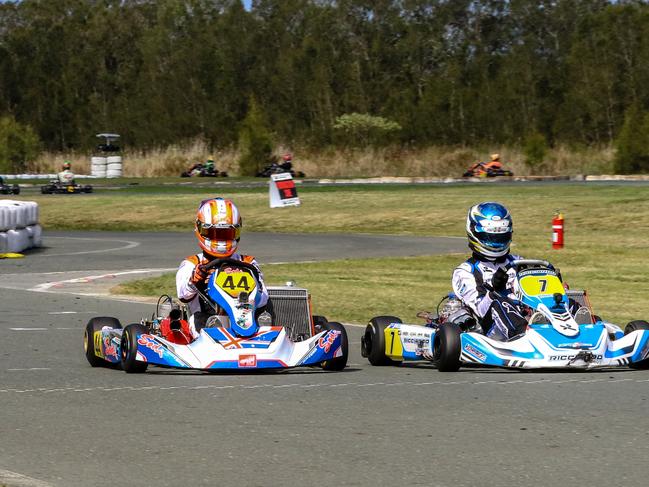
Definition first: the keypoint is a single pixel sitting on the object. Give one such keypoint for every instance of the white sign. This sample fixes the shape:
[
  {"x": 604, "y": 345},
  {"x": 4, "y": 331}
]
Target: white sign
[{"x": 282, "y": 191}]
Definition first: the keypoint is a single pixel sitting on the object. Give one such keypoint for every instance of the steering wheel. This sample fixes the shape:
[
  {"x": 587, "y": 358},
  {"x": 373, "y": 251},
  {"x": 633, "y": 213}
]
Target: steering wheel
[{"x": 234, "y": 263}]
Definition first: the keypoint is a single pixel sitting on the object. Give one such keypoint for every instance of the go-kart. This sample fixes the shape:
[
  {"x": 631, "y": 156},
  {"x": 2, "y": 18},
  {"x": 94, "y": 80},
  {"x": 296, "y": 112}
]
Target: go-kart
[
  {"x": 8, "y": 188},
  {"x": 486, "y": 170},
  {"x": 234, "y": 335},
  {"x": 554, "y": 338},
  {"x": 275, "y": 168},
  {"x": 57, "y": 187},
  {"x": 198, "y": 170}
]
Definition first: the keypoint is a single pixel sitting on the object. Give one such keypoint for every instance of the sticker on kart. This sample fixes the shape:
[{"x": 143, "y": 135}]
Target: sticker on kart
[
  {"x": 236, "y": 282},
  {"x": 541, "y": 285}
]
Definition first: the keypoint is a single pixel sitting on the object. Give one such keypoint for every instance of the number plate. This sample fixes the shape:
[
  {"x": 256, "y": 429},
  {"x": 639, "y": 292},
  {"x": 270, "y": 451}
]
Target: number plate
[
  {"x": 545, "y": 285},
  {"x": 236, "y": 282}
]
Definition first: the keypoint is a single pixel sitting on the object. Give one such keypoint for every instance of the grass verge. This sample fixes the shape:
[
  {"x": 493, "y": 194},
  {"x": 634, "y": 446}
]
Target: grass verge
[
  {"x": 606, "y": 237},
  {"x": 354, "y": 290}
]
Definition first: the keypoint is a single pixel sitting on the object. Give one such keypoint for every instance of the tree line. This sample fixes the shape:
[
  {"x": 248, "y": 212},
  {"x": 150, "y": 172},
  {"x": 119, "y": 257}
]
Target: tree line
[{"x": 443, "y": 72}]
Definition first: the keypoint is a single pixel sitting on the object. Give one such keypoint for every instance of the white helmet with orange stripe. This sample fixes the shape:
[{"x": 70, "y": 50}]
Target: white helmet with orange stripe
[{"x": 218, "y": 227}]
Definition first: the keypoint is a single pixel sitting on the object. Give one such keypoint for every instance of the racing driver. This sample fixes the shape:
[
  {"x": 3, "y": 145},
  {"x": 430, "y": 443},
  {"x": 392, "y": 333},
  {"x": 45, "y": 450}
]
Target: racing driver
[
  {"x": 482, "y": 282},
  {"x": 217, "y": 228}
]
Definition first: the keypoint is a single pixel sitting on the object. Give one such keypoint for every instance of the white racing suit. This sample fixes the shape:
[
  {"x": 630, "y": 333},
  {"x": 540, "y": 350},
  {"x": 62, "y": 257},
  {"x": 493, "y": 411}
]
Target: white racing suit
[
  {"x": 499, "y": 316},
  {"x": 65, "y": 177},
  {"x": 188, "y": 293}
]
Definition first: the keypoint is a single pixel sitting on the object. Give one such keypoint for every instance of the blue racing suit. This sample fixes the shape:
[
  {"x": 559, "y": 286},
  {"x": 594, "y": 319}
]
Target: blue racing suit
[{"x": 497, "y": 313}]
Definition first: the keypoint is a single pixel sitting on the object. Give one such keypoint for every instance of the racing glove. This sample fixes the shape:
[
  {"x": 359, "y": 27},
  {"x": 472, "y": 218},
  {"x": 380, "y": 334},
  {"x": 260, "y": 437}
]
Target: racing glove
[
  {"x": 499, "y": 280},
  {"x": 199, "y": 276}
]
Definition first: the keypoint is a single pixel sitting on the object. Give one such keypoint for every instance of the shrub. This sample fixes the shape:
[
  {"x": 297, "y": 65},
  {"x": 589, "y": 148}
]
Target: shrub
[
  {"x": 632, "y": 143},
  {"x": 18, "y": 144},
  {"x": 535, "y": 149},
  {"x": 255, "y": 143},
  {"x": 362, "y": 129}
]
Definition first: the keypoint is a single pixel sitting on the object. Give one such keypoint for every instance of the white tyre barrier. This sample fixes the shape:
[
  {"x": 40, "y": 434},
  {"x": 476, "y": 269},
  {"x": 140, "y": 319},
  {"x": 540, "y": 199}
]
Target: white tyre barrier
[
  {"x": 35, "y": 233},
  {"x": 114, "y": 167},
  {"x": 19, "y": 228},
  {"x": 98, "y": 166},
  {"x": 17, "y": 240}
]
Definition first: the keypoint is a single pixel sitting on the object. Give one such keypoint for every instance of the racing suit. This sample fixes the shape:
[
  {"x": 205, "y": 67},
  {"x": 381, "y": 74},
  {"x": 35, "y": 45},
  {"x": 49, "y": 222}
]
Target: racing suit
[
  {"x": 66, "y": 177},
  {"x": 188, "y": 292},
  {"x": 497, "y": 313}
]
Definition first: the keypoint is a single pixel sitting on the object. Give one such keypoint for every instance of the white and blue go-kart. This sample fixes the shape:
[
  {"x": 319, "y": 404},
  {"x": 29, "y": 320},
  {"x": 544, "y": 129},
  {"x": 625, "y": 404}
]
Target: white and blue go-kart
[
  {"x": 231, "y": 338},
  {"x": 554, "y": 337}
]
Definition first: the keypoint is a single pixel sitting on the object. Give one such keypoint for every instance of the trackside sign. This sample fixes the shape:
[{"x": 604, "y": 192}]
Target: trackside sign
[{"x": 282, "y": 191}]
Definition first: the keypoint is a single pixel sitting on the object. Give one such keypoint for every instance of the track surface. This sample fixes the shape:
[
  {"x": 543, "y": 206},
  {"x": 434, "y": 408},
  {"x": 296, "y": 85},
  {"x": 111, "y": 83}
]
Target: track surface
[{"x": 67, "y": 424}]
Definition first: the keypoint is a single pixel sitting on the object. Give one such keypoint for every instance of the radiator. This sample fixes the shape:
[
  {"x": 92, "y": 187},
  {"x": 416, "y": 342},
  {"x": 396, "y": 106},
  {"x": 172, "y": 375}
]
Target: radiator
[{"x": 292, "y": 309}]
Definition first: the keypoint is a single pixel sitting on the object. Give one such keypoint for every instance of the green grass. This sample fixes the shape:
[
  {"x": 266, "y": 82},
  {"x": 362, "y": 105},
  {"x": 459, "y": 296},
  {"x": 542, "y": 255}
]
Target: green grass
[
  {"x": 394, "y": 209},
  {"x": 607, "y": 227},
  {"x": 354, "y": 290}
]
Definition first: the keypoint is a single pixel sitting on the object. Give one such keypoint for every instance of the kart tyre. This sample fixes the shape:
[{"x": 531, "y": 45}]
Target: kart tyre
[
  {"x": 87, "y": 189},
  {"x": 16, "y": 189},
  {"x": 447, "y": 346},
  {"x": 96, "y": 324},
  {"x": 338, "y": 363},
  {"x": 632, "y": 326},
  {"x": 45, "y": 190},
  {"x": 128, "y": 349},
  {"x": 373, "y": 340}
]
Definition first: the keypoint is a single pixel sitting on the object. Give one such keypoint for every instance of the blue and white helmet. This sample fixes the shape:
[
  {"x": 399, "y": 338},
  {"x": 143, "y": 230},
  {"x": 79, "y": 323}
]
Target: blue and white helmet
[{"x": 489, "y": 228}]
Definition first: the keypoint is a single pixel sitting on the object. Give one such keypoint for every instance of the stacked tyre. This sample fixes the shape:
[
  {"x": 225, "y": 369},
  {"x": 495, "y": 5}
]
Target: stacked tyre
[
  {"x": 19, "y": 228},
  {"x": 98, "y": 166},
  {"x": 114, "y": 167}
]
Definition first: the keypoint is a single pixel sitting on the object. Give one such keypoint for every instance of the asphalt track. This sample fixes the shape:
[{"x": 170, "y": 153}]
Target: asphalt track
[{"x": 63, "y": 423}]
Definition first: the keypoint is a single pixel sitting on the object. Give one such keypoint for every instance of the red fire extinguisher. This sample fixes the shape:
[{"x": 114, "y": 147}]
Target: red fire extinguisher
[{"x": 557, "y": 230}]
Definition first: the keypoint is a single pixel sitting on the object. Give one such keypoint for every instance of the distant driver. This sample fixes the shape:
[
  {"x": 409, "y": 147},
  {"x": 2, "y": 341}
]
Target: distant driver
[
  {"x": 217, "y": 228},
  {"x": 482, "y": 282}
]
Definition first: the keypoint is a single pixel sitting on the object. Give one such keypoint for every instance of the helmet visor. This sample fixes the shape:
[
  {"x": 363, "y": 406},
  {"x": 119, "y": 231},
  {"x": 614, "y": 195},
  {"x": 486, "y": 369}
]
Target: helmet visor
[
  {"x": 217, "y": 233},
  {"x": 495, "y": 240}
]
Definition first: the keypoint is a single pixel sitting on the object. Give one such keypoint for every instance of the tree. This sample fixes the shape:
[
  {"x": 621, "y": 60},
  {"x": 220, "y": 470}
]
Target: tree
[
  {"x": 18, "y": 144},
  {"x": 255, "y": 142},
  {"x": 362, "y": 129},
  {"x": 633, "y": 142}
]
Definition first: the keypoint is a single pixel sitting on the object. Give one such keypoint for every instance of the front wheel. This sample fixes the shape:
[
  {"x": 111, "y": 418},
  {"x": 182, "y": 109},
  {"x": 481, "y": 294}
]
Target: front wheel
[
  {"x": 447, "y": 347},
  {"x": 91, "y": 343},
  {"x": 632, "y": 326},
  {"x": 16, "y": 189},
  {"x": 319, "y": 323},
  {"x": 128, "y": 350},
  {"x": 337, "y": 363},
  {"x": 373, "y": 340}
]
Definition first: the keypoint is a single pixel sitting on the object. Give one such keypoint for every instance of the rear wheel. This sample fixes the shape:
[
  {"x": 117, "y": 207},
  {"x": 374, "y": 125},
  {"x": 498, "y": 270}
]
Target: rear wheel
[
  {"x": 373, "y": 340},
  {"x": 95, "y": 325},
  {"x": 128, "y": 349},
  {"x": 16, "y": 189},
  {"x": 447, "y": 346},
  {"x": 632, "y": 326},
  {"x": 338, "y": 363}
]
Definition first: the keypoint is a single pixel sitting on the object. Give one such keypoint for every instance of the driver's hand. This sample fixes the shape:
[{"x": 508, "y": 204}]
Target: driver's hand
[
  {"x": 199, "y": 276},
  {"x": 499, "y": 280}
]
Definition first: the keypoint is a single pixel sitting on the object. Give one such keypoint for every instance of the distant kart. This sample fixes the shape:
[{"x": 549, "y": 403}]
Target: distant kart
[
  {"x": 9, "y": 188},
  {"x": 231, "y": 338},
  {"x": 203, "y": 172},
  {"x": 554, "y": 338},
  {"x": 279, "y": 169},
  {"x": 57, "y": 187},
  {"x": 486, "y": 170}
]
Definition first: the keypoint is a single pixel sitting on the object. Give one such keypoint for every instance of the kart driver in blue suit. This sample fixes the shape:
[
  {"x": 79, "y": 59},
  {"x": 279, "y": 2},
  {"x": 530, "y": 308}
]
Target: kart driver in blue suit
[{"x": 483, "y": 282}]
